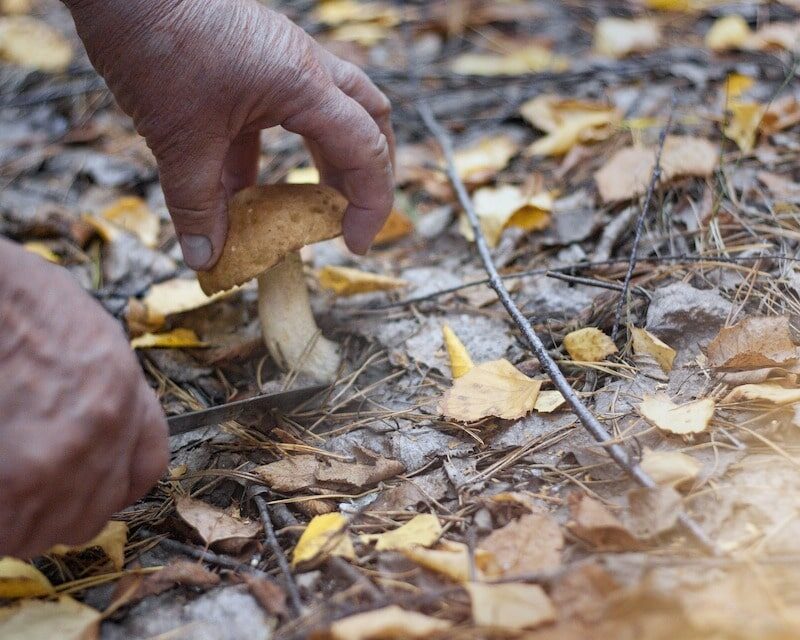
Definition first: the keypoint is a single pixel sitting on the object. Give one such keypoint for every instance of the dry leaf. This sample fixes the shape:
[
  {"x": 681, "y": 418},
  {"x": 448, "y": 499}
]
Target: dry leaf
[
  {"x": 268, "y": 594},
  {"x": 589, "y": 345},
  {"x": 513, "y": 607},
  {"x": 753, "y": 343},
  {"x": 530, "y": 544},
  {"x": 344, "y": 281},
  {"x": 483, "y": 160},
  {"x": 460, "y": 360},
  {"x": 366, "y": 34},
  {"x": 530, "y": 58},
  {"x": 628, "y": 173},
  {"x": 617, "y": 38},
  {"x": 646, "y": 343},
  {"x": 325, "y": 535},
  {"x": 134, "y": 216},
  {"x": 172, "y": 297},
  {"x": 358, "y": 475},
  {"x": 743, "y": 124},
  {"x": 737, "y": 84},
  {"x": 289, "y": 474},
  {"x": 16, "y": 7},
  {"x": 692, "y": 417},
  {"x": 337, "y": 12},
  {"x": 652, "y": 512},
  {"x": 494, "y": 388},
  {"x": 387, "y": 624},
  {"x": 397, "y": 225},
  {"x": 507, "y": 206},
  {"x": 568, "y": 122},
  {"x": 452, "y": 560},
  {"x": 776, "y": 35},
  {"x": 214, "y": 525},
  {"x": 62, "y": 619},
  {"x": 728, "y": 32},
  {"x": 670, "y": 5},
  {"x": 766, "y": 392},
  {"x": 175, "y": 339},
  {"x": 670, "y": 468},
  {"x": 422, "y": 530},
  {"x": 187, "y": 573},
  {"x": 29, "y": 42},
  {"x": 596, "y": 525},
  {"x": 41, "y": 250},
  {"x": 548, "y": 401},
  {"x": 20, "y": 579},
  {"x": 112, "y": 540},
  {"x": 781, "y": 114}
]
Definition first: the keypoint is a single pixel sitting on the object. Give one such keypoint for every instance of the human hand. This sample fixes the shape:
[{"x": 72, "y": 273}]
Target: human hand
[
  {"x": 202, "y": 78},
  {"x": 82, "y": 433}
]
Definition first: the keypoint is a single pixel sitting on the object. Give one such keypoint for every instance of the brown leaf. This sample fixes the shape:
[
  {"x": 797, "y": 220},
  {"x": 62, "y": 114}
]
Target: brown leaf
[
  {"x": 268, "y": 594},
  {"x": 652, "y": 511},
  {"x": 753, "y": 343},
  {"x": 294, "y": 473},
  {"x": 530, "y": 544},
  {"x": 510, "y": 606},
  {"x": 302, "y": 472},
  {"x": 597, "y": 526},
  {"x": 178, "y": 572},
  {"x": 214, "y": 525},
  {"x": 389, "y": 622},
  {"x": 358, "y": 475}
]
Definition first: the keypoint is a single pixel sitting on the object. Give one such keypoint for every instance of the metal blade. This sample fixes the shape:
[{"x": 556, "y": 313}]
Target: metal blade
[{"x": 255, "y": 407}]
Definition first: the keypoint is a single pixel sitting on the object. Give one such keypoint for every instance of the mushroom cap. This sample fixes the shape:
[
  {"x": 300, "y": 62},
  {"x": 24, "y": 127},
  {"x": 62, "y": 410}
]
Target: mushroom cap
[{"x": 266, "y": 223}]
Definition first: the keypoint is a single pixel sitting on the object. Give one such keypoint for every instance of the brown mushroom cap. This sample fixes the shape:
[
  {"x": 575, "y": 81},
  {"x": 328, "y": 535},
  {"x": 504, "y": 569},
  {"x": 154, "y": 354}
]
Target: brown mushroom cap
[{"x": 266, "y": 223}]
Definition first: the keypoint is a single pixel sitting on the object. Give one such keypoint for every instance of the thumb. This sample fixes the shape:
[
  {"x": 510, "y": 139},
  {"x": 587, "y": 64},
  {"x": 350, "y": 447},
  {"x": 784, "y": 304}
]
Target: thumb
[{"x": 191, "y": 177}]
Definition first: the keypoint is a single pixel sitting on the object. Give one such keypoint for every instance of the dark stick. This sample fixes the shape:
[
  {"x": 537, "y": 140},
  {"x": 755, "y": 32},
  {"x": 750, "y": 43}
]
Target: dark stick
[
  {"x": 593, "y": 282},
  {"x": 280, "y": 556},
  {"x": 654, "y": 180},
  {"x": 589, "y": 421}
]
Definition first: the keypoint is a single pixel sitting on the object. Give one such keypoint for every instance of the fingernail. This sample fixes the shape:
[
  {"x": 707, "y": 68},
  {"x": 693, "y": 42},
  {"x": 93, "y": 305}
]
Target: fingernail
[{"x": 196, "y": 249}]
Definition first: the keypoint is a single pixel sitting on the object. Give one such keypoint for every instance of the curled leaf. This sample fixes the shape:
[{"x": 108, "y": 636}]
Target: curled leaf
[{"x": 344, "y": 281}]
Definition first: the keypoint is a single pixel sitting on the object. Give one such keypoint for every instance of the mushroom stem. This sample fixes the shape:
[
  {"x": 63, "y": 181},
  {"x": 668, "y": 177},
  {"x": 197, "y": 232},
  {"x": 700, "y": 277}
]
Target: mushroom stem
[{"x": 290, "y": 332}]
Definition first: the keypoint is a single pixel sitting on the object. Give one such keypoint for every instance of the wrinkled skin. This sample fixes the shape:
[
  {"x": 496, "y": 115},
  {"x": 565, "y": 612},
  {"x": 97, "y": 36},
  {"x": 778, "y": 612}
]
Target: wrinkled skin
[
  {"x": 82, "y": 434},
  {"x": 201, "y": 78}
]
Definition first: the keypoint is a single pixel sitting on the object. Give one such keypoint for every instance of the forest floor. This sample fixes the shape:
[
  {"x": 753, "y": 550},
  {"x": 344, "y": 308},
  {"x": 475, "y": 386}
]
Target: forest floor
[{"x": 474, "y": 505}]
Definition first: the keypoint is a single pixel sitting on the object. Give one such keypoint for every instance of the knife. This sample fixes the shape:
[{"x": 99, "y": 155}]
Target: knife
[{"x": 251, "y": 408}]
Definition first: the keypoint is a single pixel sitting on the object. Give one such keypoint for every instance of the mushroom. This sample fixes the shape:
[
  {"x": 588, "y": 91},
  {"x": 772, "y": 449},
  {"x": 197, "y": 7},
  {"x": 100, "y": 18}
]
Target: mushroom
[{"x": 268, "y": 225}]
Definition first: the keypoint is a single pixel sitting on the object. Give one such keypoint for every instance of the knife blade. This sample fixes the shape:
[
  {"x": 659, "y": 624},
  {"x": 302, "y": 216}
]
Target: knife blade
[{"x": 251, "y": 407}]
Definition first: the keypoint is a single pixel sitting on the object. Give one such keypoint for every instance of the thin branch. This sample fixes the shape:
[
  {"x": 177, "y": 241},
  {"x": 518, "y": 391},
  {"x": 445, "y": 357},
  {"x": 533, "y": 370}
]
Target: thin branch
[
  {"x": 594, "y": 282},
  {"x": 589, "y": 421}
]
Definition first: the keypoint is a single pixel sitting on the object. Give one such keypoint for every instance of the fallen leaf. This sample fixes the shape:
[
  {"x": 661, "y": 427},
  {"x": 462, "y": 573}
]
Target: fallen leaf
[
  {"x": 28, "y": 42},
  {"x": 451, "y": 559},
  {"x": 495, "y": 388},
  {"x": 189, "y": 573},
  {"x": 753, "y": 343},
  {"x": 134, "y": 216},
  {"x": 652, "y": 512},
  {"x": 41, "y": 250},
  {"x": 548, "y": 401},
  {"x": 460, "y": 360},
  {"x": 366, "y": 34},
  {"x": 628, "y": 172},
  {"x": 568, "y": 122},
  {"x": 767, "y": 392},
  {"x": 325, "y": 535},
  {"x": 337, "y": 12},
  {"x": 507, "y": 206},
  {"x": 175, "y": 339},
  {"x": 175, "y": 296},
  {"x": 214, "y": 525},
  {"x": 780, "y": 114},
  {"x": 386, "y": 624},
  {"x": 62, "y": 619},
  {"x": 268, "y": 594},
  {"x": 20, "y": 579},
  {"x": 344, "y": 281},
  {"x": 743, "y": 124},
  {"x": 512, "y": 607},
  {"x": 16, "y": 7},
  {"x": 397, "y": 225},
  {"x": 521, "y": 60},
  {"x": 358, "y": 475},
  {"x": 728, "y": 32},
  {"x": 112, "y": 540},
  {"x": 481, "y": 161},
  {"x": 422, "y": 530},
  {"x": 617, "y": 37},
  {"x": 692, "y": 417},
  {"x": 670, "y": 468},
  {"x": 529, "y": 544},
  {"x": 290, "y": 473},
  {"x": 736, "y": 84},
  {"x": 670, "y": 5},
  {"x": 776, "y": 35},
  {"x": 597, "y": 526},
  {"x": 589, "y": 345},
  {"x": 646, "y": 343}
]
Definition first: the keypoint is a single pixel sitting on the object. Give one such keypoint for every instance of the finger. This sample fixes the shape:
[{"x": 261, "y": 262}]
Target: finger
[
  {"x": 356, "y": 153},
  {"x": 192, "y": 179},
  {"x": 240, "y": 169},
  {"x": 151, "y": 452}
]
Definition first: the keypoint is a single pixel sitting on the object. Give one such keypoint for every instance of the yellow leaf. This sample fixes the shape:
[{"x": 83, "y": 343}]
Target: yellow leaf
[
  {"x": 692, "y": 417},
  {"x": 512, "y": 607},
  {"x": 42, "y": 250},
  {"x": 363, "y": 33},
  {"x": 20, "y": 579},
  {"x": 107, "y": 231},
  {"x": 344, "y": 281},
  {"x": 450, "y": 559},
  {"x": 669, "y": 5},
  {"x": 325, "y": 535},
  {"x": 15, "y": 7},
  {"x": 175, "y": 339},
  {"x": 422, "y": 530},
  {"x": 567, "y": 123},
  {"x": 62, "y": 619},
  {"x": 494, "y": 388},
  {"x": 337, "y": 12},
  {"x": 505, "y": 206},
  {"x": 481, "y": 161},
  {"x": 671, "y": 468},
  {"x": 29, "y": 42},
  {"x": 397, "y": 226},
  {"x": 389, "y": 622},
  {"x": 589, "y": 345},
  {"x": 742, "y": 126},
  {"x": 111, "y": 540},
  {"x": 133, "y": 215},
  {"x": 460, "y": 360},
  {"x": 172, "y": 297},
  {"x": 548, "y": 401},
  {"x": 531, "y": 58},
  {"x": 303, "y": 175},
  {"x": 645, "y": 342},
  {"x": 766, "y": 392},
  {"x": 737, "y": 84},
  {"x": 728, "y": 32},
  {"x": 617, "y": 37}
]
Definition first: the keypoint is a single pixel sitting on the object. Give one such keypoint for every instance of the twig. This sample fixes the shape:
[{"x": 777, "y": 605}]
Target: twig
[
  {"x": 280, "y": 556},
  {"x": 593, "y": 282},
  {"x": 654, "y": 180},
  {"x": 589, "y": 421}
]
